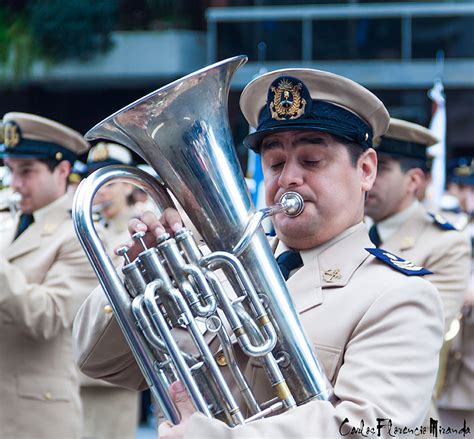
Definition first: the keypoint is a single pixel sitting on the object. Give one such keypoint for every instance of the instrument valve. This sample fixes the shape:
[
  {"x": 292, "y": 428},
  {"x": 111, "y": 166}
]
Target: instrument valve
[
  {"x": 162, "y": 238},
  {"x": 182, "y": 231},
  {"x": 122, "y": 251},
  {"x": 138, "y": 236}
]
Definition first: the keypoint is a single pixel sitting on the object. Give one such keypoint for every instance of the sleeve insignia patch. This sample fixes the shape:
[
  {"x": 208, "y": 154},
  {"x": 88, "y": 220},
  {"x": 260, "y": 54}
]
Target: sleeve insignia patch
[
  {"x": 406, "y": 267},
  {"x": 441, "y": 222}
]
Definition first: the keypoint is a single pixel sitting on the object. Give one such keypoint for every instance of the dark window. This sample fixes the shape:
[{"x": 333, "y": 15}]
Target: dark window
[
  {"x": 282, "y": 39},
  {"x": 453, "y": 35},
  {"x": 357, "y": 39}
]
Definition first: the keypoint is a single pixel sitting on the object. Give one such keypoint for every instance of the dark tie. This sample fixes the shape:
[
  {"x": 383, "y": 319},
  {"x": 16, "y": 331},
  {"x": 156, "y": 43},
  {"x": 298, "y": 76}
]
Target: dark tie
[
  {"x": 374, "y": 235},
  {"x": 25, "y": 220},
  {"x": 288, "y": 261}
]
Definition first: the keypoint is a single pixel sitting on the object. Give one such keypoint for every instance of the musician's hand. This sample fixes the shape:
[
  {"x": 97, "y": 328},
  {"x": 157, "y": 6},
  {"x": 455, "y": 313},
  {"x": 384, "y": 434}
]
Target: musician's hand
[
  {"x": 186, "y": 408},
  {"x": 153, "y": 227}
]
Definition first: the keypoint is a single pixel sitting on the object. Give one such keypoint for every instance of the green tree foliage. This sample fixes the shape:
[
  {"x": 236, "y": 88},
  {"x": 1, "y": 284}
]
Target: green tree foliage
[
  {"x": 17, "y": 49},
  {"x": 72, "y": 29},
  {"x": 52, "y": 31}
]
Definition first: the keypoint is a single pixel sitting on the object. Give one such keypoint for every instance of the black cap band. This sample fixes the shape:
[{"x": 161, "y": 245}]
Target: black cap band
[
  {"x": 93, "y": 166},
  {"x": 37, "y": 149},
  {"x": 461, "y": 170},
  {"x": 402, "y": 148}
]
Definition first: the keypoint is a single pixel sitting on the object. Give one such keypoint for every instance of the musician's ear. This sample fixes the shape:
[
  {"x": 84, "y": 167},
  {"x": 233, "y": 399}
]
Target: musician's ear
[{"x": 368, "y": 168}]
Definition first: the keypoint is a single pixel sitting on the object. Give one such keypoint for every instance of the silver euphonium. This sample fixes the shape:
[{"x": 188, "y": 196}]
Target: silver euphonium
[{"x": 182, "y": 131}]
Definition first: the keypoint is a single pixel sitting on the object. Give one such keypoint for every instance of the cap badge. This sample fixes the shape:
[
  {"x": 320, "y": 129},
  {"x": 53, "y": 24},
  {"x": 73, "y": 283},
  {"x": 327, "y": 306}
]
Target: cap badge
[
  {"x": 287, "y": 102},
  {"x": 100, "y": 153},
  {"x": 464, "y": 170},
  {"x": 12, "y": 134}
]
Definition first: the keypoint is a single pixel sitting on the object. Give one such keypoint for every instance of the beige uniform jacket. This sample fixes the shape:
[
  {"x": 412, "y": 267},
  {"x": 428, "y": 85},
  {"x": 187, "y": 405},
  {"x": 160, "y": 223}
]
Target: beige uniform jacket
[
  {"x": 102, "y": 402},
  {"x": 116, "y": 232},
  {"x": 447, "y": 253},
  {"x": 458, "y": 393},
  {"x": 376, "y": 332},
  {"x": 44, "y": 278}
]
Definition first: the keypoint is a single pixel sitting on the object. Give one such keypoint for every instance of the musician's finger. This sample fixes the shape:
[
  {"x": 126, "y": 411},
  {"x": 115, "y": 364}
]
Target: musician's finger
[
  {"x": 136, "y": 225},
  {"x": 165, "y": 429},
  {"x": 153, "y": 223},
  {"x": 171, "y": 219},
  {"x": 150, "y": 219},
  {"x": 182, "y": 400}
]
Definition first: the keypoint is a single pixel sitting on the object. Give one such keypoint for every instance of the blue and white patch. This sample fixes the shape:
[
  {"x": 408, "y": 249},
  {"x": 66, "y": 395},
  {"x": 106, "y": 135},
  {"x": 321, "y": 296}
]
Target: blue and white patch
[
  {"x": 441, "y": 222},
  {"x": 406, "y": 267}
]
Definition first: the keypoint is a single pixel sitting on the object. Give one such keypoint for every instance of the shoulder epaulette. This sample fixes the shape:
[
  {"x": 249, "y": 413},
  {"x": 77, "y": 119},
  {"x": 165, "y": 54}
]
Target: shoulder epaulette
[
  {"x": 455, "y": 210},
  {"x": 441, "y": 222},
  {"x": 400, "y": 264}
]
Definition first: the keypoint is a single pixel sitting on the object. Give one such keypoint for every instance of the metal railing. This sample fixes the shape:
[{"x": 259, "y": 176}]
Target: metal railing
[{"x": 308, "y": 14}]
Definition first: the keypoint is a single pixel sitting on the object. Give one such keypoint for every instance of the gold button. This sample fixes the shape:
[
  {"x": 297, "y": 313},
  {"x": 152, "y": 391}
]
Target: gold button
[
  {"x": 48, "y": 396},
  {"x": 108, "y": 309},
  {"x": 332, "y": 275},
  {"x": 59, "y": 156},
  {"x": 220, "y": 359},
  {"x": 49, "y": 228},
  {"x": 408, "y": 241}
]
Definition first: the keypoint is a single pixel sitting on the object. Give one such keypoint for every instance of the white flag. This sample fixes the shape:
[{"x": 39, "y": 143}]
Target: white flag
[{"x": 438, "y": 127}]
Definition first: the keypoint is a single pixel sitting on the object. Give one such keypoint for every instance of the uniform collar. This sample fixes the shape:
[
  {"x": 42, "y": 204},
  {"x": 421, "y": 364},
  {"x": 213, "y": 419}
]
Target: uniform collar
[
  {"x": 340, "y": 257},
  {"x": 42, "y": 213},
  {"x": 47, "y": 221},
  {"x": 389, "y": 226},
  {"x": 327, "y": 266},
  {"x": 307, "y": 255},
  {"x": 408, "y": 232}
]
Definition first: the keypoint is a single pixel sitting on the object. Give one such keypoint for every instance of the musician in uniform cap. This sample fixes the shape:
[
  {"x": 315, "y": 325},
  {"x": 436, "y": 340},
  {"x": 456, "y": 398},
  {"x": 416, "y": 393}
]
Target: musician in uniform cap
[
  {"x": 112, "y": 201},
  {"x": 460, "y": 185},
  {"x": 44, "y": 277},
  {"x": 110, "y": 411},
  {"x": 404, "y": 226},
  {"x": 456, "y": 389},
  {"x": 360, "y": 306},
  {"x": 78, "y": 173}
]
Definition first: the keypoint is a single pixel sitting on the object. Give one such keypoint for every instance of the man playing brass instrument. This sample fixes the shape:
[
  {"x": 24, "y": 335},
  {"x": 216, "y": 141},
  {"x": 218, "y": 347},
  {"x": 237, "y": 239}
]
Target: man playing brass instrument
[{"x": 375, "y": 324}]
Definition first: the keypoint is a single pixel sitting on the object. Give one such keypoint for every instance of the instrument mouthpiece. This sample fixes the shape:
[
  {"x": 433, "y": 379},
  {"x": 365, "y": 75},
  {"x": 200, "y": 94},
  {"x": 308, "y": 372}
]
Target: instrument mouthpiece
[{"x": 293, "y": 203}]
